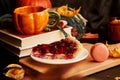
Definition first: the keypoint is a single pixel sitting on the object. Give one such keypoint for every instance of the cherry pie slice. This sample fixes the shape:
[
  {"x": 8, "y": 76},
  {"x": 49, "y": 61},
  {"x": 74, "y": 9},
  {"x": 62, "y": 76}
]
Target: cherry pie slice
[{"x": 67, "y": 48}]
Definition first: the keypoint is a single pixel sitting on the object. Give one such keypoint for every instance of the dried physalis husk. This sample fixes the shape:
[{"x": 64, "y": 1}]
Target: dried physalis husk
[
  {"x": 64, "y": 11},
  {"x": 14, "y": 71},
  {"x": 115, "y": 52}
]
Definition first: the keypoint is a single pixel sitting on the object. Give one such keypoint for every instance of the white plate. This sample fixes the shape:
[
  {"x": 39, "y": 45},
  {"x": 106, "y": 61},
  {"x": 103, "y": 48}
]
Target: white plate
[{"x": 82, "y": 55}]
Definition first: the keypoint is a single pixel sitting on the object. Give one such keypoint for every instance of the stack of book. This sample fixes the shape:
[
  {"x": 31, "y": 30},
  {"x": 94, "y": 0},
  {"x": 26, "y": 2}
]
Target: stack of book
[{"x": 21, "y": 45}]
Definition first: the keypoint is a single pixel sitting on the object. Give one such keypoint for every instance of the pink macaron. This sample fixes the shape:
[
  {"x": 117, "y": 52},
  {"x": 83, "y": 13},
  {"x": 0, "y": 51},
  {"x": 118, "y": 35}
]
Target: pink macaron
[{"x": 99, "y": 52}]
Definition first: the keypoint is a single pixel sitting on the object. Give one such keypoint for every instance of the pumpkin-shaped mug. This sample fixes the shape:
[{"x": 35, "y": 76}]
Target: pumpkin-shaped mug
[{"x": 33, "y": 19}]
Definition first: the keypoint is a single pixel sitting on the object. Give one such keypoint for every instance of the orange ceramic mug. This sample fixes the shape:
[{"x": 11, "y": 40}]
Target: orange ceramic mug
[{"x": 32, "y": 19}]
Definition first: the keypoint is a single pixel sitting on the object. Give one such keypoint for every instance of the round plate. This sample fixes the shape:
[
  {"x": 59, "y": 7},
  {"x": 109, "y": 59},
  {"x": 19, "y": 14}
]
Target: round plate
[{"x": 82, "y": 55}]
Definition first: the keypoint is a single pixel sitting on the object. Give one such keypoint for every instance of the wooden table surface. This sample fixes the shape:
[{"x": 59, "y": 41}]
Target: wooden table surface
[{"x": 80, "y": 69}]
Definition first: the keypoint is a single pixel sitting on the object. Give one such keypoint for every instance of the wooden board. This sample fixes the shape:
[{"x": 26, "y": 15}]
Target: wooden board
[{"x": 82, "y": 68}]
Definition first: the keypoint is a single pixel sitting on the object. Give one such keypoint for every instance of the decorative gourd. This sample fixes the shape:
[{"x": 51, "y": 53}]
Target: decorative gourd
[
  {"x": 78, "y": 23},
  {"x": 30, "y": 19},
  {"x": 42, "y": 3},
  {"x": 74, "y": 19}
]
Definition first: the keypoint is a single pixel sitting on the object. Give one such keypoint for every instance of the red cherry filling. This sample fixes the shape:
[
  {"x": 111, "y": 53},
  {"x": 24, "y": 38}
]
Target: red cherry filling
[{"x": 59, "y": 49}]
